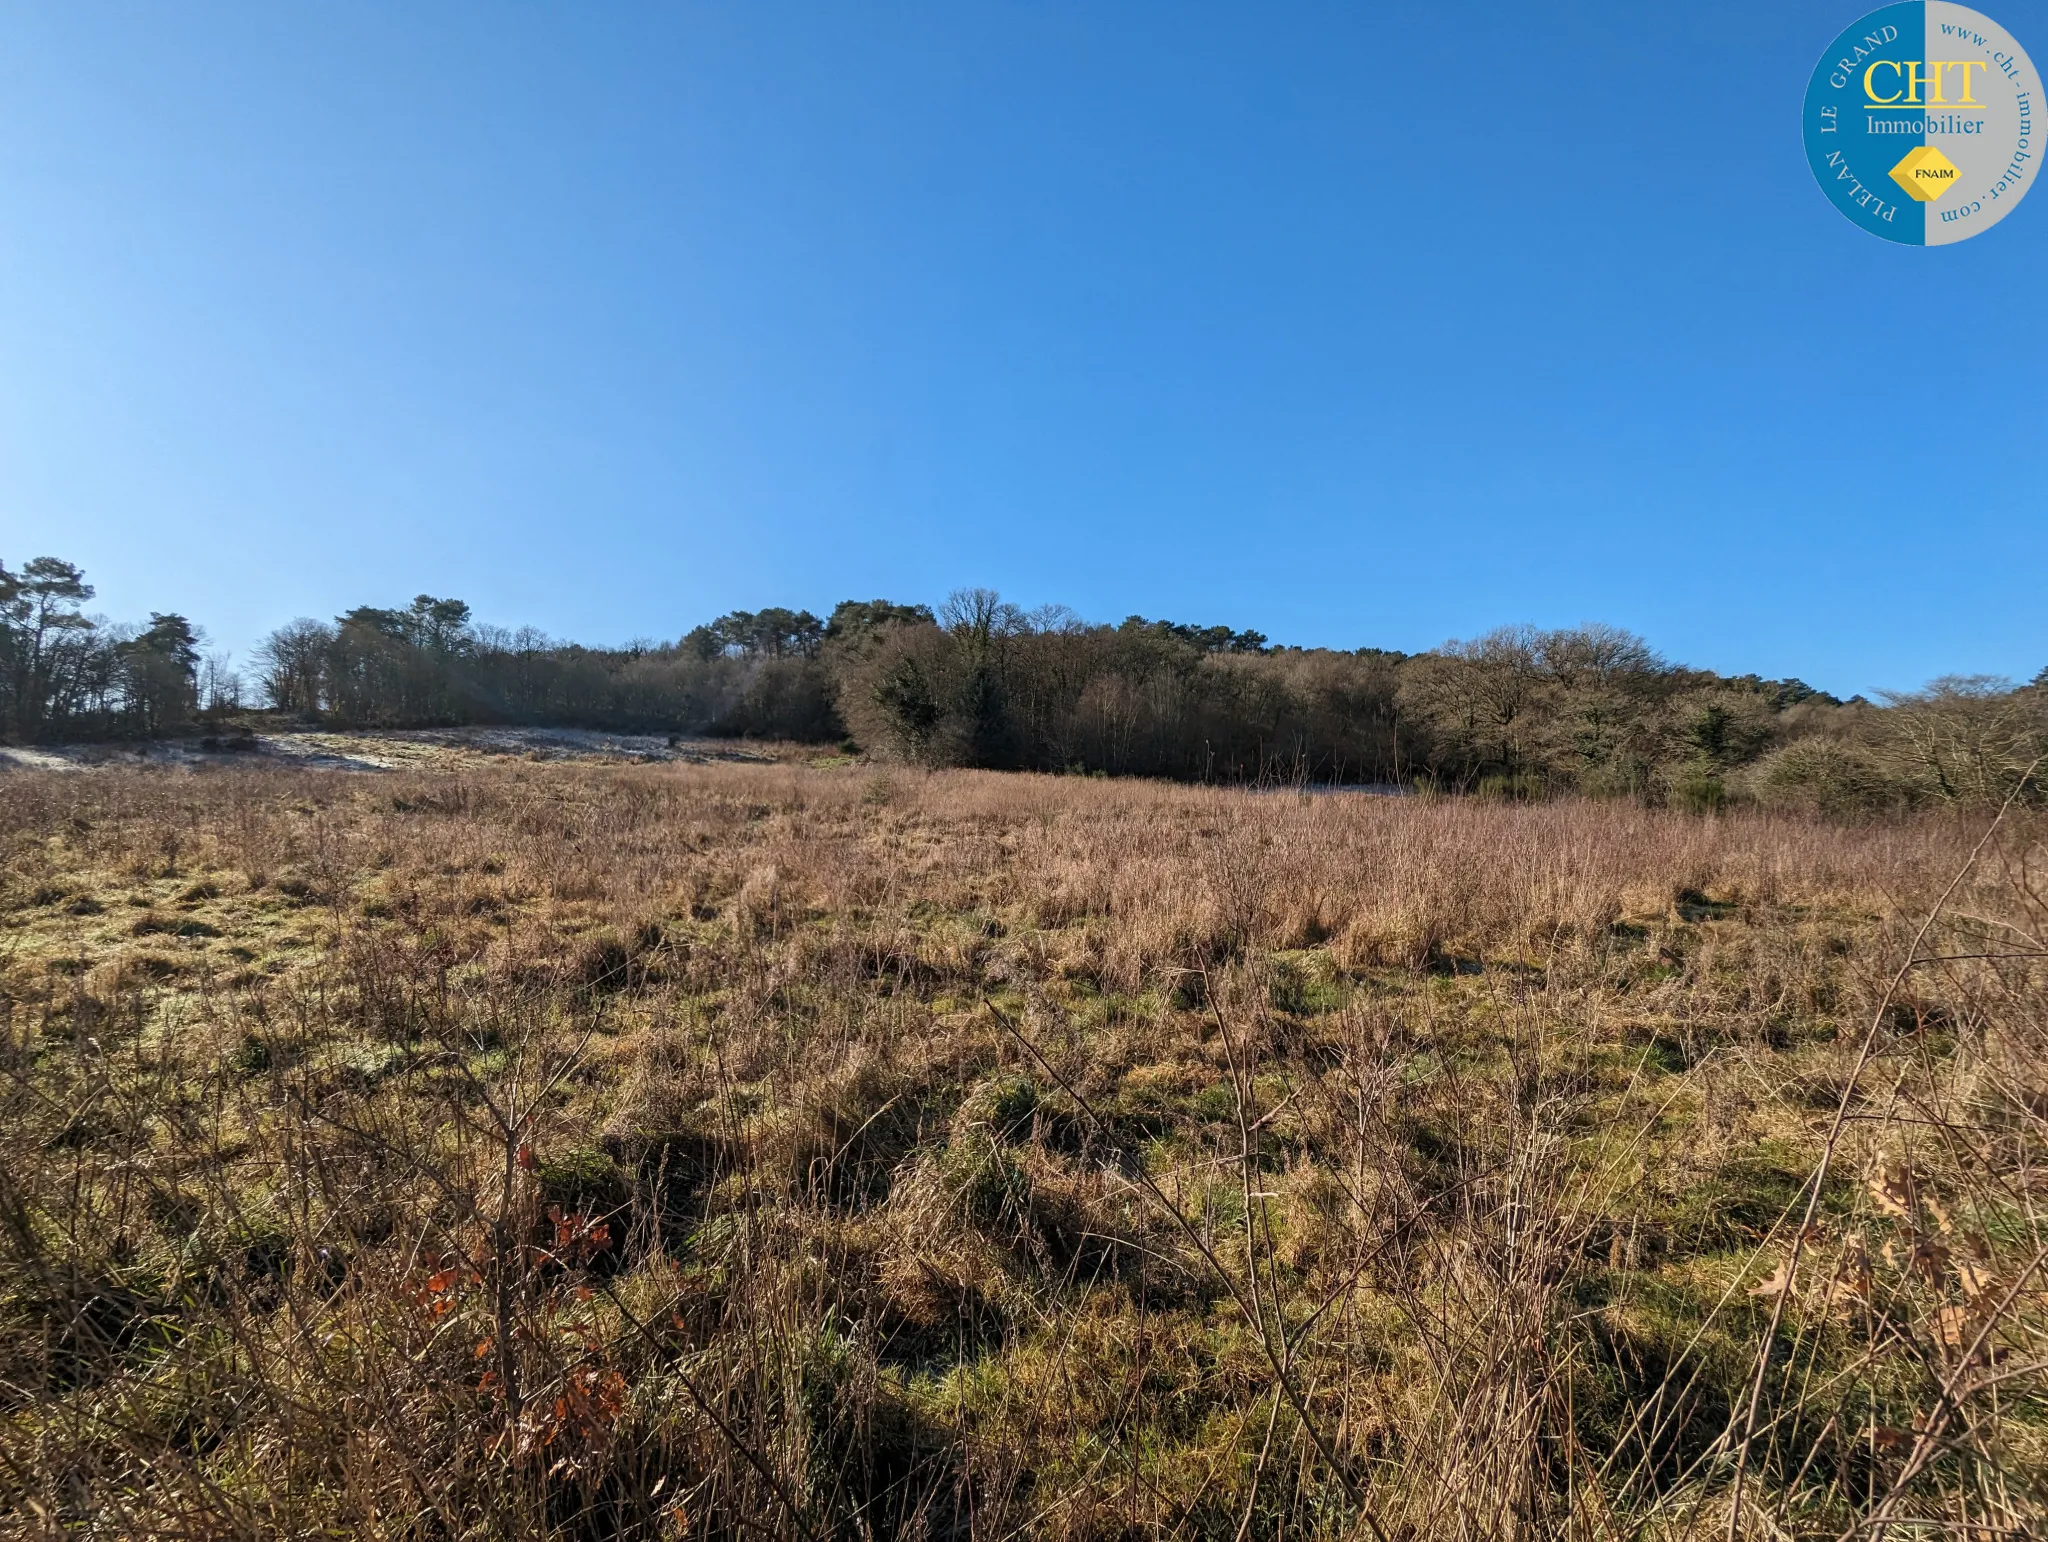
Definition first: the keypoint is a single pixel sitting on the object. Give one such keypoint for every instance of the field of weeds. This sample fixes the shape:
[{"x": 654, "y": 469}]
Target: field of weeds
[{"x": 553, "y": 1150}]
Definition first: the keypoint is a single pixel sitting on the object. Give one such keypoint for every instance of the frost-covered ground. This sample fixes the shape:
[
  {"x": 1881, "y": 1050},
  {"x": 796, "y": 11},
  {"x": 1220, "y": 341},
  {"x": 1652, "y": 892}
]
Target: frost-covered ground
[{"x": 383, "y": 750}]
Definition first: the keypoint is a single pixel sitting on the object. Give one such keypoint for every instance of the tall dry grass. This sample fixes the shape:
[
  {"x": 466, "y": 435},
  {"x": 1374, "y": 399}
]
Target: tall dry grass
[{"x": 726, "y": 1150}]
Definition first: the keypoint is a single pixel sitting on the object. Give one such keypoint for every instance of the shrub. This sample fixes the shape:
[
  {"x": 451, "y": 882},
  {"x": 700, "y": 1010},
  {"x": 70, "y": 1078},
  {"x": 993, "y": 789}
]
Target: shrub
[{"x": 1840, "y": 781}]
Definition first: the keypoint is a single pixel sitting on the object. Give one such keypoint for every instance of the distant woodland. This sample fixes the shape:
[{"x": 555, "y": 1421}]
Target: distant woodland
[{"x": 1517, "y": 713}]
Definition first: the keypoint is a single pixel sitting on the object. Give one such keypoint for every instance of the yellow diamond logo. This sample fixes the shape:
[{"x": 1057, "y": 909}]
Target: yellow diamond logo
[{"x": 1925, "y": 173}]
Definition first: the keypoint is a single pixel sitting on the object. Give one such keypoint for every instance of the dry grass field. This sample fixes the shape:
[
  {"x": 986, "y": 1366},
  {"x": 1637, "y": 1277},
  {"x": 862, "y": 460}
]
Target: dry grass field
[{"x": 552, "y": 1150}]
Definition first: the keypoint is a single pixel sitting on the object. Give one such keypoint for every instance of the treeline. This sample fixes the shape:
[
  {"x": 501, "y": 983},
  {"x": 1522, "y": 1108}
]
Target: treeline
[
  {"x": 67, "y": 675},
  {"x": 766, "y": 674},
  {"x": 1517, "y": 713}
]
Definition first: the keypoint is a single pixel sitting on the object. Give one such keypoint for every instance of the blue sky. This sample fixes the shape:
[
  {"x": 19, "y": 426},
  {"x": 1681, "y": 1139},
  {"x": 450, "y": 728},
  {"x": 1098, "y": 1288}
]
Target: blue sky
[{"x": 1354, "y": 323}]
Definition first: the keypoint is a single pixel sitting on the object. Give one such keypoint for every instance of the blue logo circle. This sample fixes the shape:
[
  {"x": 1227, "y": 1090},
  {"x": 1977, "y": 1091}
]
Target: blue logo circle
[{"x": 1920, "y": 123}]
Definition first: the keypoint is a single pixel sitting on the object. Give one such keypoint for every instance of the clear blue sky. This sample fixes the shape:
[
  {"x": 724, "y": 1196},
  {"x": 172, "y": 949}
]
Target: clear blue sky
[{"x": 1355, "y": 323}]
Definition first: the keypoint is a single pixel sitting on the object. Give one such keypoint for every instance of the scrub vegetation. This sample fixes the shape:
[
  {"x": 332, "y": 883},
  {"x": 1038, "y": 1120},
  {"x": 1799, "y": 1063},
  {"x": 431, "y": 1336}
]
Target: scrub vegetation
[
  {"x": 1519, "y": 713},
  {"x": 566, "y": 1150}
]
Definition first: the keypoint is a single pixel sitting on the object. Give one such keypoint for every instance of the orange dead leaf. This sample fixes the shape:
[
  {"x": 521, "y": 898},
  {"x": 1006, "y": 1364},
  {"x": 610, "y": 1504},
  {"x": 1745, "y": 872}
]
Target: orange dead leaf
[
  {"x": 1941, "y": 1216},
  {"x": 1930, "y": 1260},
  {"x": 1852, "y": 1282},
  {"x": 1891, "y": 1190}
]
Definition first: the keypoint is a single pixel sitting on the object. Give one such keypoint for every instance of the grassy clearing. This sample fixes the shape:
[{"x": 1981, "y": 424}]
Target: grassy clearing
[{"x": 527, "y": 1149}]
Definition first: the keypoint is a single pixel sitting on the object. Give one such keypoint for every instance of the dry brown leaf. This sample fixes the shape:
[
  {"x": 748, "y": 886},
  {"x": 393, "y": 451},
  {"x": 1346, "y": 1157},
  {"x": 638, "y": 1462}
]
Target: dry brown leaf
[
  {"x": 1891, "y": 1190},
  {"x": 1930, "y": 1260},
  {"x": 1779, "y": 1282},
  {"x": 1852, "y": 1283}
]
